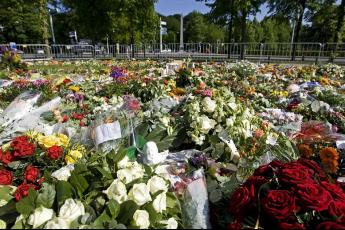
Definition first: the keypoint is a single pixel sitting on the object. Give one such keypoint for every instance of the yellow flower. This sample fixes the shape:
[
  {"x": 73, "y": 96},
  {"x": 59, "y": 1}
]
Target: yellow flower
[
  {"x": 63, "y": 139},
  {"x": 69, "y": 160},
  {"x": 6, "y": 147},
  {"x": 75, "y": 154},
  {"x": 74, "y": 88},
  {"x": 324, "y": 81},
  {"x": 32, "y": 134},
  {"x": 48, "y": 141}
]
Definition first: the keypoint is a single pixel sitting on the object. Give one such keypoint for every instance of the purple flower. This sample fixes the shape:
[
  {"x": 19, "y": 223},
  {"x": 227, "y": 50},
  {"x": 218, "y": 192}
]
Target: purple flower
[
  {"x": 40, "y": 82},
  {"x": 206, "y": 93},
  {"x": 198, "y": 160},
  {"x": 116, "y": 72}
]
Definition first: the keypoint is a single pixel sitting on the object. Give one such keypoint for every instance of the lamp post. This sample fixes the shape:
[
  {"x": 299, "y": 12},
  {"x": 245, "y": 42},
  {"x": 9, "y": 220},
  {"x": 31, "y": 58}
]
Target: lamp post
[{"x": 51, "y": 12}]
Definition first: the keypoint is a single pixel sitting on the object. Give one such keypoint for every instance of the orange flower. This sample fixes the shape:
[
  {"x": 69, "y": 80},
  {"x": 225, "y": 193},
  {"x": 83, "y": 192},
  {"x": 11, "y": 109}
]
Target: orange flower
[
  {"x": 324, "y": 81},
  {"x": 329, "y": 154},
  {"x": 305, "y": 151},
  {"x": 330, "y": 166}
]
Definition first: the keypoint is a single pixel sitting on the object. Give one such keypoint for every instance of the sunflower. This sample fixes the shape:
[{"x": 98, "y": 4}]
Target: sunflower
[
  {"x": 324, "y": 81},
  {"x": 329, "y": 154},
  {"x": 305, "y": 151},
  {"x": 330, "y": 166}
]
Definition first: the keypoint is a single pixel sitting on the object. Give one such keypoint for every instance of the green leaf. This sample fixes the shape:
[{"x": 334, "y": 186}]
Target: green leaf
[
  {"x": 10, "y": 207},
  {"x": 5, "y": 193},
  {"x": 99, "y": 222},
  {"x": 127, "y": 211},
  {"x": 131, "y": 152},
  {"x": 117, "y": 156},
  {"x": 79, "y": 183},
  {"x": 47, "y": 197},
  {"x": 114, "y": 208},
  {"x": 64, "y": 191},
  {"x": 154, "y": 216},
  {"x": 105, "y": 173},
  {"x": 27, "y": 204},
  {"x": 141, "y": 141}
]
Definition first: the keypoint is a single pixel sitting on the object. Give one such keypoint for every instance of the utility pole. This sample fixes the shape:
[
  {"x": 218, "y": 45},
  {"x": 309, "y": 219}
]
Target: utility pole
[
  {"x": 51, "y": 26},
  {"x": 181, "y": 34},
  {"x": 160, "y": 35}
]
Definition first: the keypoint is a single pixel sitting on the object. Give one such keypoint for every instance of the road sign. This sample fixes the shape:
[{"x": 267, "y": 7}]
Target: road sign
[{"x": 164, "y": 31}]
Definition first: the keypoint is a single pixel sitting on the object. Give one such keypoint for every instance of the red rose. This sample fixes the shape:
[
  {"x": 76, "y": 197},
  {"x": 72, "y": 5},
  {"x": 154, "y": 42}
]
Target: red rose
[
  {"x": 337, "y": 209},
  {"x": 77, "y": 116},
  {"x": 336, "y": 191},
  {"x": 253, "y": 185},
  {"x": 65, "y": 118},
  {"x": 330, "y": 225},
  {"x": 313, "y": 166},
  {"x": 23, "y": 190},
  {"x": 279, "y": 204},
  {"x": 6, "y": 177},
  {"x": 55, "y": 152},
  {"x": 31, "y": 173},
  {"x": 6, "y": 158},
  {"x": 313, "y": 197},
  {"x": 291, "y": 226},
  {"x": 22, "y": 147},
  {"x": 238, "y": 201},
  {"x": 81, "y": 123},
  {"x": 264, "y": 170},
  {"x": 294, "y": 173},
  {"x": 234, "y": 226}
]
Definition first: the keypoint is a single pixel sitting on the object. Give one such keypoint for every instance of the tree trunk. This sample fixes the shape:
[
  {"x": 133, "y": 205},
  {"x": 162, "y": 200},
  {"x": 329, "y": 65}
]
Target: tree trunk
[
  {"x": 230, "y": 27},
  {"x": 340, "y": 21},
  {"x": 298, "y": 28},
  {"x": 244, "y": 33}
]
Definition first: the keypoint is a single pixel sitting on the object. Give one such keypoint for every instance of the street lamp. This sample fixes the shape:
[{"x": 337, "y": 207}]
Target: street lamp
[{"x": 51, "y": 12}]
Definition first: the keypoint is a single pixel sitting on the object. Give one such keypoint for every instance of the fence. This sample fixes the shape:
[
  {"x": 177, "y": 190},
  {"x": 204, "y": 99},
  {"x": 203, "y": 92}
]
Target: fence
[{"x": 260, "y": 52}]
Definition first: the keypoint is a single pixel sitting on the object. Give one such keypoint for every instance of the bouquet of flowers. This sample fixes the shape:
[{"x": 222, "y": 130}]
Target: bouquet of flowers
[{"x": 295, "y": 195}]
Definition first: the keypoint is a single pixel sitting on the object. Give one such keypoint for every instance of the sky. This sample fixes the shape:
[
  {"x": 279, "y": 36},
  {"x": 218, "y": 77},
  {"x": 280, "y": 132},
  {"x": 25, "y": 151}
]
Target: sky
[{"x": 169, "y": 7}]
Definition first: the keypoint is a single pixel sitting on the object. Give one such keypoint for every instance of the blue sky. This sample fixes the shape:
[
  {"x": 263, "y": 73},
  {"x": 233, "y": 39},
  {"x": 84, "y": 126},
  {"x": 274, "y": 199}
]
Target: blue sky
[{"x": 168, "y": 7}]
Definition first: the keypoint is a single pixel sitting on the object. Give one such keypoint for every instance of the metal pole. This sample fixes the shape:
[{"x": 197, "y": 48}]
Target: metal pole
[
  {"x": 160, "y": 36},
  {"x": 107, "y": 44},
  {"x": 293, "y": 35},
  {"x": 52, "y": 28},
  {"x": 181, "y": 33}
]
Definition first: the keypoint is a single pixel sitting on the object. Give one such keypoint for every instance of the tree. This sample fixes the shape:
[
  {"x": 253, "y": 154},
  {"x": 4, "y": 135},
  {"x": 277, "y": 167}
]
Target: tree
[
  {"x": 24, "y": 21},
  {"x": 295, "y": 9},
  {"x": 340, "y": 21}
]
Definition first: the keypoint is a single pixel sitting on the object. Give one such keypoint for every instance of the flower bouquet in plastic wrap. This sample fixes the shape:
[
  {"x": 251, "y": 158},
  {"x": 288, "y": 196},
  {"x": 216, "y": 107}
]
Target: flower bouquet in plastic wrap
[
  {"x": 113, "y": 124},
  {"x": 190, "y": 186},
  {"x": 295, "y": 195}
]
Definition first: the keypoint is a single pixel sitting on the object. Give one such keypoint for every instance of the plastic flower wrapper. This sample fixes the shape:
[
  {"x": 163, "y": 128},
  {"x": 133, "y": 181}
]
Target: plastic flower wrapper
[{"x": 191, "y": 188}]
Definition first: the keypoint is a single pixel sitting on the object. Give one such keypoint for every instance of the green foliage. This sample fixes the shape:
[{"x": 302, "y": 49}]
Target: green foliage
[{"x": 24, "y": 21}]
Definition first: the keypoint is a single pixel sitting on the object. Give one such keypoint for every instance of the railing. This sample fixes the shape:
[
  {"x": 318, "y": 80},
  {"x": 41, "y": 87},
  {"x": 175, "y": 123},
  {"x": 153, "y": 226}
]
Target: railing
[{"x": 260, "y": 52}]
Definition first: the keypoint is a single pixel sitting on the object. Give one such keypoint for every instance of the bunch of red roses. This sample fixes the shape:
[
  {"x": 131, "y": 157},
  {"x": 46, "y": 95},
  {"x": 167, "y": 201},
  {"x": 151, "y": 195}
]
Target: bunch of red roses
[
  {"x": 21, "y": 148},
  {"x": 295, "y": 195}
]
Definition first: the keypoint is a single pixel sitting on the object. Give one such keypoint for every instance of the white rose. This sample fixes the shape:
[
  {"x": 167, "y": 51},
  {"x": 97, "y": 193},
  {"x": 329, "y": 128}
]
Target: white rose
[
  {"x": 117, "y": 191},
  {"x": 2, "y": 224},
  {"x": 72, "y": 209},
  {"x": 293, "y": 88},
  {"x": 170, "y": 223},
  {"x": 206, "y": 124},
  {"x": 156, "y": 184},
  {"x": 160, "y": 203},
  {"x": 141, "y": 219},
  {"x": 137, "y": 170},
  {"x": 140, "y": 194},
  {"x": 40, "y": 216},
  {"x": 162, "y": 170},
  {"x": 232, "y": 105},
  {"x": 125, "y": 175},
  {"x": 58, "y": 223},
  {"x": 209, "y": 105},
  {"x": 124, "y": 163},
  {"x": 272, "y": 139},
  {"x": 63, "y": 173}
]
